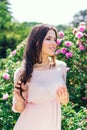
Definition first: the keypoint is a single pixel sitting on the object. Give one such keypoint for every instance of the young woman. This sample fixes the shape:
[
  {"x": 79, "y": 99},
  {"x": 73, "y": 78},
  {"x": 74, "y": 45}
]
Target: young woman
[{"x": 40, "y": 83}]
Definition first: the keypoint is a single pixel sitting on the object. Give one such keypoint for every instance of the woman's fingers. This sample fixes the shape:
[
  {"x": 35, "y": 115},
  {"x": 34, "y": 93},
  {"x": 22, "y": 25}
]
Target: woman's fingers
[
  {"x": 62, "y": 90},
  {"x": 24, "y": 86},
  {"x": 62, "y": 95},
  {"x": 18, "y": 84}
]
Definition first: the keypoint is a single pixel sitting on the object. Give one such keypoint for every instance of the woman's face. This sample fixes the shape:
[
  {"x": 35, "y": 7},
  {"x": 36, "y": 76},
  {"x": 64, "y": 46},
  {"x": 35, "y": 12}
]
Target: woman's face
[{"x": 49, "y": 44}]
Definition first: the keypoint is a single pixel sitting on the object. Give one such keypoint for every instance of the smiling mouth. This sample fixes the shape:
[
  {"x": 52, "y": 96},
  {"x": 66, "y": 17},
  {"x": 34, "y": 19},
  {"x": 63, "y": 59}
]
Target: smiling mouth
[{"x": 52, "y": 48}]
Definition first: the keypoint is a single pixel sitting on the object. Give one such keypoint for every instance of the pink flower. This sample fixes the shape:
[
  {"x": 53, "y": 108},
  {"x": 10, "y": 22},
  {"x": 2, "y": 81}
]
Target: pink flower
[
  {"x": 75, "y": 30},
  {"x": 69, "y": 54},
  {"x": 82, "y": 28},
  {"x": 6, "y": 76},
  {"x": 13, "y": 52},
  {"x": 5, "y": 96},
  {"x": 79, "y": 35},
  {"x": 82, "y": 24},
  {"x": 61, "y": 34},
  {"x": 68, "y": 43},
  {"x": 58, "y": 41},
  {"x": 81, "y": 47},
  {"x": 63, "y": 50},
  {"x": 58, "y": 52}
]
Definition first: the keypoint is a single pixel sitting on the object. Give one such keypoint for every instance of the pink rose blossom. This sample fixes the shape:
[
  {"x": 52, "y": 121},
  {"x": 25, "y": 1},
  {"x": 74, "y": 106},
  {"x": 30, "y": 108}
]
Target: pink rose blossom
[
  {"x": 6, "y": 76},
  {"x": 13, "y": 52},
  {"x": 81, "y": 47},
  {"x": 58, "y": 41},
  {"x": 5, "y": 96},
  {"x": 63, "y": 50},
  {"x": 82, "y": 28},
  {"x": 79, "y": 35},
  {"x": 58, "y": 52},
  {"x": 82, "y": 24},
  {"x": 69, "y": 54},
  {"x": 61, "y": 34},
  {"x": 68, "y": 43}
]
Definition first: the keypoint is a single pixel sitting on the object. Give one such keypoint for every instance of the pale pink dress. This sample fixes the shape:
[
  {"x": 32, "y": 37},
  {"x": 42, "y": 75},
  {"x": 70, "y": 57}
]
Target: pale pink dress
[{"x": 43, "y": 111}]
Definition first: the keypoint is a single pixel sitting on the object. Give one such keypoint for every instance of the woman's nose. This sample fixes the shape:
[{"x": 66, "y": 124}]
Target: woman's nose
[{"x": 53, "y": 42}]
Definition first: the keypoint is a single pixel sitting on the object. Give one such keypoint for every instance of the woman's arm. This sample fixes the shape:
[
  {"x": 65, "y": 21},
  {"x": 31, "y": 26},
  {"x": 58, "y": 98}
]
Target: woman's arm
[
  {"x": 18, "y": 104},
  {"x": 62, "y": 92},
  {"x": 18, "y": 101}
]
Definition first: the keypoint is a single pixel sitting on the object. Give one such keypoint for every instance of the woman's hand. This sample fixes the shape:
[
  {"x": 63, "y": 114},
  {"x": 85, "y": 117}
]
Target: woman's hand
[
  {"x": 17, "y": 87},
  {"x": 63, "y": 95},
  {"x": 18, "y": 102}
]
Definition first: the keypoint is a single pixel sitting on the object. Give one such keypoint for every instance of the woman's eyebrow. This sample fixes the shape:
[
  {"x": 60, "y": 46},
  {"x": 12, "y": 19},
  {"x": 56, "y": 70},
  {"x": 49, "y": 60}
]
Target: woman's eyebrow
[{"x": 51, "y": 37}]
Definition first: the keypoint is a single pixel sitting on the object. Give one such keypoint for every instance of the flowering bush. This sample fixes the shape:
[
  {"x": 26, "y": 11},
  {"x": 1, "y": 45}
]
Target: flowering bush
[
  {"x": 72, "y": 50},
  {"x": 75, "y": 55},
  {"x": 7, "y": 116}
]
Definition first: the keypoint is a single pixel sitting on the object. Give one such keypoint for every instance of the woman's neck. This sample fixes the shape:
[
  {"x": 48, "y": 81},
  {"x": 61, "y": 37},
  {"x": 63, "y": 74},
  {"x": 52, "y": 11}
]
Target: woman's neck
[{"x": 44, "y": 65}]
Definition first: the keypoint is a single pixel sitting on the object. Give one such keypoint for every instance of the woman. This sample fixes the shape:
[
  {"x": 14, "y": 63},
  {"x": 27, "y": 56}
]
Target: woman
[{"x": 40, "y": 83}]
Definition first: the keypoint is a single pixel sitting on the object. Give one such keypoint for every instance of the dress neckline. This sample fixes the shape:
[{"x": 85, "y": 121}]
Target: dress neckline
[
  {"x": 42, "y": 70},
  {"x": 47, "y": 69}
]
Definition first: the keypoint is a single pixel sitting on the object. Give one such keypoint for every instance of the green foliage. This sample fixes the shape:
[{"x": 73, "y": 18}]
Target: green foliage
[
  {"x": 11, "y": 32},
  {"x": 77, "y": 81},
  {"x": 5, "y": 16},
  {"x": 7, "y": 117},
  {"x": 74, "y": 114},
  {"x": 11, "y": 38},
  {"x": 72, "y": 120}
]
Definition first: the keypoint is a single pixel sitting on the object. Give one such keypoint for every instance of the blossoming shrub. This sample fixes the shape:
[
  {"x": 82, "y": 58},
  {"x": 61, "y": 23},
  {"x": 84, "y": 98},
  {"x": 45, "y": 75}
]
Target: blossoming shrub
[
  {"x": 72, "y": 48},
  {"x": 7, "y": 116}
]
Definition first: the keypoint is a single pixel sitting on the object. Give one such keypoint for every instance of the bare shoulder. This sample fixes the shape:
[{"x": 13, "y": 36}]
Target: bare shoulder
[
  {"x": 17, "y": 71},
  {"x": 17, "y": 74}
]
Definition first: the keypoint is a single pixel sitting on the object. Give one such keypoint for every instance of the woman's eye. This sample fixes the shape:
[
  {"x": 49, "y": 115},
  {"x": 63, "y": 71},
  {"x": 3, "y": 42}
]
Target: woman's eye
[{"x": 48, "y": 39}]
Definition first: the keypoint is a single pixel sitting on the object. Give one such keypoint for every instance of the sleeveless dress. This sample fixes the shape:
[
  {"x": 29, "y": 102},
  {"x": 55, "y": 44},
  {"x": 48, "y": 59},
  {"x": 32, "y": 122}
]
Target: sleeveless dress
[{"x": 43, "y": 111}]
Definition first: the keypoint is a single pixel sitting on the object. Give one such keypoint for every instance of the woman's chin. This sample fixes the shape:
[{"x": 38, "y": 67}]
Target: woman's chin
[{"x": 52, "y": 54}]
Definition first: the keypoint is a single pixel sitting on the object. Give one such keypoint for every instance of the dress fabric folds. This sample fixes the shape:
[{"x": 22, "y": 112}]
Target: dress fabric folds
[{"x": 43, "y": 111}]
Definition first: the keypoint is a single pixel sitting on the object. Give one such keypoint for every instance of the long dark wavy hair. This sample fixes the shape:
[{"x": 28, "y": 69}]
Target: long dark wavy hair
[{"x": 33, "y": 49}]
